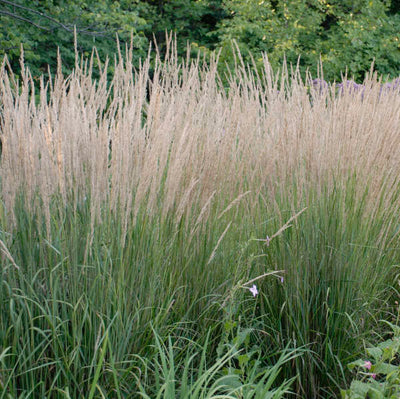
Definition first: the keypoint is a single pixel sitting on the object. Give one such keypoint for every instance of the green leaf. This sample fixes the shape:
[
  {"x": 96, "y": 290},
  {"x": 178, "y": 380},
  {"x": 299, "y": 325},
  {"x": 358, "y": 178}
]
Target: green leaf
[
  {"x": 385, "y": 368},
  {"x": 376, "y": 353},
  {"x": 356, "y": 363},
  {"x": 359, "y": 389},
  {"x": 243, "y": 360}
]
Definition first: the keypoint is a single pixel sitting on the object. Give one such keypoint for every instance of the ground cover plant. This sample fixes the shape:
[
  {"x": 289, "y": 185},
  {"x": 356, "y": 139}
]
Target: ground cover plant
[
  {"x": 379, "y": 378},
  {"x": 174, "y": 237}
]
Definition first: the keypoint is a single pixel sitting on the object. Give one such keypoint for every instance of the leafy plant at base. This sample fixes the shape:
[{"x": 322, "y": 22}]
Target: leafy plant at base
[
  {"x": 195, "y": 378},
  {"x": 378, "y": 378}
]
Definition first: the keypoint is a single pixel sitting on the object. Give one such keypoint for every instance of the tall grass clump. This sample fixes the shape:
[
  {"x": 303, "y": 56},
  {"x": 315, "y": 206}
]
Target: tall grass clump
[{"x": 134, "y": 210}]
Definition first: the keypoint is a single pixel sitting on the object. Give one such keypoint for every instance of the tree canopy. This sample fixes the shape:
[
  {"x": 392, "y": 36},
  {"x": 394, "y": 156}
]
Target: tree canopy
[{"x": 341, "y": 33}]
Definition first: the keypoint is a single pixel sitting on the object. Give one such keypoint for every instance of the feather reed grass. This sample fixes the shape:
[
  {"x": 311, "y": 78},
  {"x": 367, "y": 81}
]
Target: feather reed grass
[{"x": 136, "y": 204}]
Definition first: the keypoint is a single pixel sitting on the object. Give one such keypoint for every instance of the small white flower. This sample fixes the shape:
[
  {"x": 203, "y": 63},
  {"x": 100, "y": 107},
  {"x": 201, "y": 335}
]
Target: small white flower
[{"x": 254, "y": 290}]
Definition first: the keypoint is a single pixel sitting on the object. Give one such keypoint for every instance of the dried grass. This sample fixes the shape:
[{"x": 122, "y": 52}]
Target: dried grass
[{"x": 181, "y": 136}]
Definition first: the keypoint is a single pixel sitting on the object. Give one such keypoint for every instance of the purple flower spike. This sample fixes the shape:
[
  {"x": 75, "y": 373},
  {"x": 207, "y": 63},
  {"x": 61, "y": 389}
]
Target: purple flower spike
[
  {"x": 320, "y": 85},
  {"x": 396, "y": 84},
  {"x": 390, "y": 86},
  {"x": 350, "y": 86}
]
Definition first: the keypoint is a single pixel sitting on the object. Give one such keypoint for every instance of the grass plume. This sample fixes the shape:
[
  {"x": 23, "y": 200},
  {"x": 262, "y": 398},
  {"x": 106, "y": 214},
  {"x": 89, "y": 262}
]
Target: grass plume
[{"x": 132, "y": 207}]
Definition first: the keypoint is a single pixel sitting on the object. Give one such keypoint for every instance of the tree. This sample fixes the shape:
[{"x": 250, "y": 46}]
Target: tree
[
  {"x": 342, "y": 33},
  {"x": 43, "y": 26}
]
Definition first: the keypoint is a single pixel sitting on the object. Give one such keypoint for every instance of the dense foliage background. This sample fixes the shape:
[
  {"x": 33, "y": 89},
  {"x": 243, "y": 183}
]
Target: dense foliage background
[{"x": 342, "y": 33}]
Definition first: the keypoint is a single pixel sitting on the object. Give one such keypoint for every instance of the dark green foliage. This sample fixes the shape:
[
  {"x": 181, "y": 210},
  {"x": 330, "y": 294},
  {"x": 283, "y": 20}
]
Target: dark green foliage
[
  {"x": 43, "y": 26},
  {"x": 343, "y": 34}
]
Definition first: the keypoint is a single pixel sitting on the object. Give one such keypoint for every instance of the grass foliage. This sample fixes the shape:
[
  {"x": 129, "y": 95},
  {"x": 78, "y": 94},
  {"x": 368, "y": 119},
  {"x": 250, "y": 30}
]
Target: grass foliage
[{"x": 136, "y": 214}]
